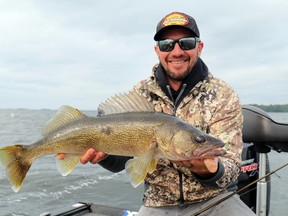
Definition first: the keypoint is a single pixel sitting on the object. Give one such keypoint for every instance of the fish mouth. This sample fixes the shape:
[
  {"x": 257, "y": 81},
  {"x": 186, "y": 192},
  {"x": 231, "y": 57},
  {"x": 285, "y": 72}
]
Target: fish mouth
[{"x": 209, "y": 152}]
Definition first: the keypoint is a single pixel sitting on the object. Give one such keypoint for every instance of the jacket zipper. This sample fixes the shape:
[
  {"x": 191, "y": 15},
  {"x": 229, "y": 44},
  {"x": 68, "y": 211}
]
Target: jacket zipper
[
  {"x": 181, "y": 198},
  {"x": 177, "y": 98}
]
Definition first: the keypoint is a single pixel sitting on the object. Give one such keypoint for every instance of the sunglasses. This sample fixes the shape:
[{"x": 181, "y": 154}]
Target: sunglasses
[{"x": 186, "y": 43}]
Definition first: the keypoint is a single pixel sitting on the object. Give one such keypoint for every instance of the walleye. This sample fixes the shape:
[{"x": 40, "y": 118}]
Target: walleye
[{"x": 126, "y": 126}]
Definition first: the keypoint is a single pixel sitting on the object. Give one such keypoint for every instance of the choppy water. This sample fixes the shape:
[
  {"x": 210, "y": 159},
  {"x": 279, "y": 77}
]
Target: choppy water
[{"x": 45, "y": 190}]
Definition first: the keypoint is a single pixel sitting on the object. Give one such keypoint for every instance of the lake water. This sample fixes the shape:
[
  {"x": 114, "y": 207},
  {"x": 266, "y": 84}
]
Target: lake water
[{"x": 45, "y": 190}]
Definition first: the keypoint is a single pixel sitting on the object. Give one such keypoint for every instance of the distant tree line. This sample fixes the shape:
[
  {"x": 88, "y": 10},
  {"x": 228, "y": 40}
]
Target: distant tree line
[{"x": 272, "y": 108}]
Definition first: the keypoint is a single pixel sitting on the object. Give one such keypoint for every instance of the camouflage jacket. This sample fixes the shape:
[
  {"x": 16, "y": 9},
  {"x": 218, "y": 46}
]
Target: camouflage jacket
[{"x": 211, "y": 106}]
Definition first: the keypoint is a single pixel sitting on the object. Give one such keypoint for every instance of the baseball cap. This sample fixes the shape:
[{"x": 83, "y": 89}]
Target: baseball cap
[{"x": 177, "y": 19}]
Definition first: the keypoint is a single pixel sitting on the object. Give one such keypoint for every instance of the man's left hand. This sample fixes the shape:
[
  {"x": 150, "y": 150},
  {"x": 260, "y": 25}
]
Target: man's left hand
[{"x": 204, "y": 167}]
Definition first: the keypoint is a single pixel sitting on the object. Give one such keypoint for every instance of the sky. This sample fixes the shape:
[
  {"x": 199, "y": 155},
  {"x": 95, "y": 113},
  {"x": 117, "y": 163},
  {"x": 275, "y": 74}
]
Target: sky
[{"x": 81, "y": 52}]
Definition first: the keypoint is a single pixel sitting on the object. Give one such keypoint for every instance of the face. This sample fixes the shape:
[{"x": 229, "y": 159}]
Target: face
[{"x": 178, "y": 63}]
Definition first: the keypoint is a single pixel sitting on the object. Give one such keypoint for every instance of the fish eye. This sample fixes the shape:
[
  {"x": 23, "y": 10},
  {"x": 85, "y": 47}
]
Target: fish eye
[{"x": 200, "y": 139}]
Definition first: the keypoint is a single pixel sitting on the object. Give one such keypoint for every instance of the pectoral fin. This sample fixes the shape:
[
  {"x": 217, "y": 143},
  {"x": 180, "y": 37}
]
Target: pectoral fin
[
  {"x": 137, "y": 168},
  {"x": 66, "y": 165}
]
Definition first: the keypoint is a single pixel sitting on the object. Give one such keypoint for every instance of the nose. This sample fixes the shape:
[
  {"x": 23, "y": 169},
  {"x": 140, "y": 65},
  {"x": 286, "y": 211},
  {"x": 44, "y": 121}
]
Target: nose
[{"x": 177, "y": 51}]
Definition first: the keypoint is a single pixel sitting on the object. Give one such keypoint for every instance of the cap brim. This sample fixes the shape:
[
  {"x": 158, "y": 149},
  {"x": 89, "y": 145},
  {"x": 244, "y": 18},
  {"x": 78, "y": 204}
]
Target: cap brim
[{"x": 157, "y": 36}]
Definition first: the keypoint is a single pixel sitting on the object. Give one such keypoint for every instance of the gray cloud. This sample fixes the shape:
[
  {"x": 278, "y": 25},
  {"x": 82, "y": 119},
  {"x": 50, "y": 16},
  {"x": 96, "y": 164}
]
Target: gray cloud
[{"x": 81, "y": 52}]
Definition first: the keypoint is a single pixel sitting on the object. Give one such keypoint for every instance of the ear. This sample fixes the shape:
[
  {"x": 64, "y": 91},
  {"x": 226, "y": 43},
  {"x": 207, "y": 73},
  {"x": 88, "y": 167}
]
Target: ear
[
  {"x": 200, "y": 47},
  {"x": 156, "y": 49}
]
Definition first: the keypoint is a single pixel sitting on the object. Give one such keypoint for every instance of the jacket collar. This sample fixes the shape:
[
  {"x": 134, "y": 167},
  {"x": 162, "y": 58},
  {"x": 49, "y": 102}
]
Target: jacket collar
[{"x": 198, "y": 73}]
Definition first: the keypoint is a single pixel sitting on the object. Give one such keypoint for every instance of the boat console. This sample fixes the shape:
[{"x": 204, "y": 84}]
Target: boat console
[{"x": 266, "y": 134}]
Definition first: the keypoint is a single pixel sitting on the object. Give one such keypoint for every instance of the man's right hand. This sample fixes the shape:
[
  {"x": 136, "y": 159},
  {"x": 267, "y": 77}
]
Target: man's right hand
[{"x": 91, "y": 155}]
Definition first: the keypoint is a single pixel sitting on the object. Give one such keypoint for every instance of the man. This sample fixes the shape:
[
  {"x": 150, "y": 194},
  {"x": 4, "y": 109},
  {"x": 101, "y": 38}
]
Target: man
[{"x": 182, "y": 85}]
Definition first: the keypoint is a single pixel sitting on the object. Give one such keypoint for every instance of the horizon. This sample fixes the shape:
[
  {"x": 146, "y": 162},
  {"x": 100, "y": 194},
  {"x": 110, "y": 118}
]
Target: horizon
[{"x": 52, "y": 109}]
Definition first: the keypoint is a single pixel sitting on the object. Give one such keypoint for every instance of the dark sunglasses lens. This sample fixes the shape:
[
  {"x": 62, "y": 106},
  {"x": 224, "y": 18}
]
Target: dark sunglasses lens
[
  {"x": 187, "y": 43},
  {"x": 166, "y": 45}
]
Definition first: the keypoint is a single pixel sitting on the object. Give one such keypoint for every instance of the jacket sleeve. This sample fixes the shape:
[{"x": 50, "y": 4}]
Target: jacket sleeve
[
  {"x": 226, "y": 123},
  {"x": 114, "y": 163}
]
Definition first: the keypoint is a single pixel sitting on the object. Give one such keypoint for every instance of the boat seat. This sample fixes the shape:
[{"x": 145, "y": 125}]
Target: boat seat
[{"x": 266, "y": 134}]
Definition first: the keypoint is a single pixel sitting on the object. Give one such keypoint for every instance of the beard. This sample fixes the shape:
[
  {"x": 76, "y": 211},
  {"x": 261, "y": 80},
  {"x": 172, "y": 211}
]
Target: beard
[
  {"x": 174, "y": 77},
  {"x": 180, "y": 76}
]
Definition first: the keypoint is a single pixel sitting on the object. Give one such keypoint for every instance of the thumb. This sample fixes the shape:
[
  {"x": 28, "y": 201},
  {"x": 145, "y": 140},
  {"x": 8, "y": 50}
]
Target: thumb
[{"x": 211, "y": 164}]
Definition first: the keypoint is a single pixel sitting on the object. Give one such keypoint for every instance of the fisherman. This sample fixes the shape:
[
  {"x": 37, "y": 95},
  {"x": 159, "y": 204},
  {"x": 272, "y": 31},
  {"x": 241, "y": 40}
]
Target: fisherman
[{"x": 182, "y": 85}]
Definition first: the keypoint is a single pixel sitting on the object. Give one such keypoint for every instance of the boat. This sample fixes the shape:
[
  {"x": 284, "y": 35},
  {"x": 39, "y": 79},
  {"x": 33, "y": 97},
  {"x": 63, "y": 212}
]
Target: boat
[{"x": 261, "y": 135}]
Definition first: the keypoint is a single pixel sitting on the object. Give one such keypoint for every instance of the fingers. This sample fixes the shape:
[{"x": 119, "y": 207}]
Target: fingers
[
  {"x": 211, "y": 164},
  {"x": 202, "y": 167},
  {"x": 92, "y": 156},
  {"x": 99, "y": 156},
  {"x": 60, "y": 156},
  {"x": 186, "y": 164}
]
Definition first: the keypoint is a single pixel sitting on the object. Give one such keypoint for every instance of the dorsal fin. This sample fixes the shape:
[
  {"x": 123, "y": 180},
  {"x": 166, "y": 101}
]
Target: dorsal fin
[
  {"x": 65, "y": 115},
  {"x": 123, "y": 103}
]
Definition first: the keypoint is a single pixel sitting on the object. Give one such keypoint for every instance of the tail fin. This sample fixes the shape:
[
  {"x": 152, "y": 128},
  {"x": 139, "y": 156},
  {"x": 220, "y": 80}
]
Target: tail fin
[{"x": 16, "y": 165}]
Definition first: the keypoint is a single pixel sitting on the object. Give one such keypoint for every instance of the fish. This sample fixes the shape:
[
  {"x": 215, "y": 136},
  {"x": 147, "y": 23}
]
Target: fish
[{"x": 126, "y": 125}]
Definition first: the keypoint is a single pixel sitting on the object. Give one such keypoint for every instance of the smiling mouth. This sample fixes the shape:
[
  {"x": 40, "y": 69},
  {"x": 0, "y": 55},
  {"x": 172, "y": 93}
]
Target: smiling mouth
[{"x": 177, "y": 61}]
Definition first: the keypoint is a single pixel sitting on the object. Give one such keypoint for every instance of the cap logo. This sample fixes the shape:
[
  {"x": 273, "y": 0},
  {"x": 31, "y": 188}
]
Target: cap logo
[{"x": 175, "y": 19}]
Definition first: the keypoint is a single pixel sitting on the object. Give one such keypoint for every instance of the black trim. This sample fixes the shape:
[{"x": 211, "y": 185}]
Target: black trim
[{"x": 181, "y": 198}]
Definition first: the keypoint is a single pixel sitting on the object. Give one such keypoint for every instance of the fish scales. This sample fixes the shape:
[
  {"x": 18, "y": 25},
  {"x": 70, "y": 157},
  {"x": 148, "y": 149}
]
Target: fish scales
[{"x": 128, "y": 134}]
